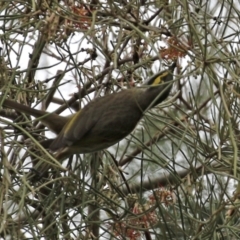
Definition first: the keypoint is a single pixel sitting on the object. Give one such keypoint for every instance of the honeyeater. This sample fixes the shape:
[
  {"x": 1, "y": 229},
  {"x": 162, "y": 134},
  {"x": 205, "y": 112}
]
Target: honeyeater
[{"x": 105, "y": 120}]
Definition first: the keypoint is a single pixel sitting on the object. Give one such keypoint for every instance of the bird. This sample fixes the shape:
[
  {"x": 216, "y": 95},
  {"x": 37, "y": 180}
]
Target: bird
[{"x": 105, "y": 120}]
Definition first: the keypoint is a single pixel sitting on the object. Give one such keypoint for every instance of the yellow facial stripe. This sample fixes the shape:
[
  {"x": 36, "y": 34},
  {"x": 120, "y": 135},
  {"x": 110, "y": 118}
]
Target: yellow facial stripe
[
  {"x": 156, "y": 81},
  {"x": 159, "y": 79}
]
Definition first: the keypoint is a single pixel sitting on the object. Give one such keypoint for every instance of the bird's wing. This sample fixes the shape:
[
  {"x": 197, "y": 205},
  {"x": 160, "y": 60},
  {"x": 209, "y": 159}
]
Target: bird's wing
[
  {"x": 83, "y": 122},
  {"x": 76, "y": 128}
]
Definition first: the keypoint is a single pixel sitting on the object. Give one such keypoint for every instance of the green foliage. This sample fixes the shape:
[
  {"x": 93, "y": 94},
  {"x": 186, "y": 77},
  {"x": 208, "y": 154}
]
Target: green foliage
[{"x": 177, "y": 175}]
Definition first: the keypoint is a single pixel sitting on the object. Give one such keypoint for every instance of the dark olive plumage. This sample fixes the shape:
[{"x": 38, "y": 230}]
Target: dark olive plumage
[{"x": 104, "y": 121}]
